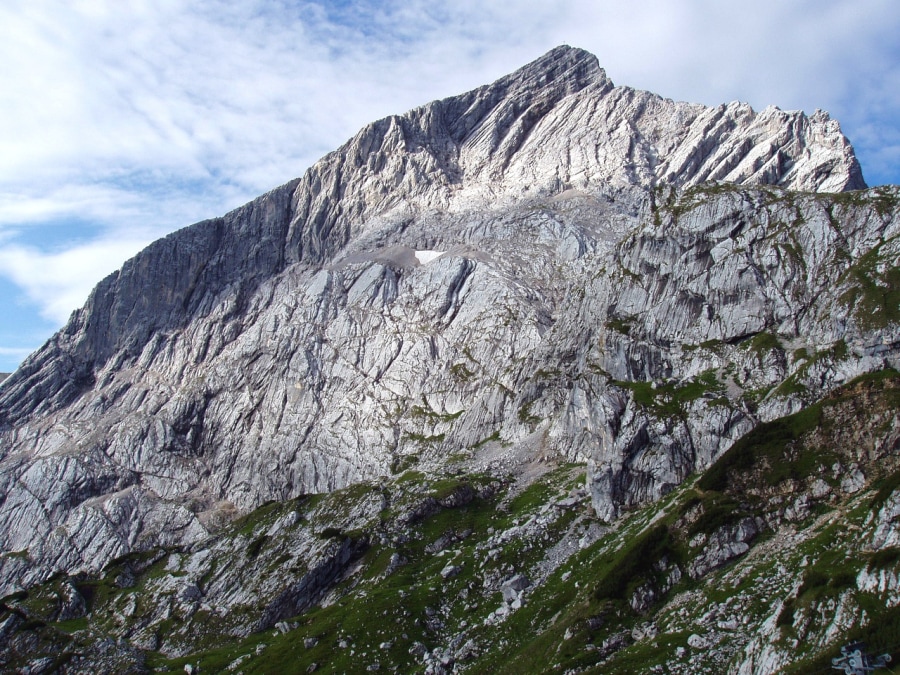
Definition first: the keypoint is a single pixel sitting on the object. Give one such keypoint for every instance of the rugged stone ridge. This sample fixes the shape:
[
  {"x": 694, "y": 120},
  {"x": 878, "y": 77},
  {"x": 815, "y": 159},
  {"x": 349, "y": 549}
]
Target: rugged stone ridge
[{"x": 540, "y": 266}]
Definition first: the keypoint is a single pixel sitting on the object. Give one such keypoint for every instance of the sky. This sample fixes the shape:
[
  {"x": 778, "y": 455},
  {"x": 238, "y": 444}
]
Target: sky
[{"x": 124, "y": 120}]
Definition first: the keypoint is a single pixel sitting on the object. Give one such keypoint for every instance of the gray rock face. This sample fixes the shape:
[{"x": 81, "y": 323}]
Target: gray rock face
[
  {"x": 726, "y": 543},
  {"x": 513, "y": 587},
  {"x": 540, "y": 265}
]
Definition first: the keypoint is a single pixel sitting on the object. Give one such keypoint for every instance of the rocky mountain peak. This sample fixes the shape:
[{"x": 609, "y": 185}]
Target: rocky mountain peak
[
  {"x": 560, "y": 123},
  {"x": 559, "y": 73},
  {"x": 562, "y": 71},
  {"x": 546, "y": 266}
]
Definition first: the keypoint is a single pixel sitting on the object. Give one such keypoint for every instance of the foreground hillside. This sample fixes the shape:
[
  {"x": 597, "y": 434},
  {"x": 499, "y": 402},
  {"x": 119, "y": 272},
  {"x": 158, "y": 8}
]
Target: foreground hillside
[{"x": 785, "y": 549}]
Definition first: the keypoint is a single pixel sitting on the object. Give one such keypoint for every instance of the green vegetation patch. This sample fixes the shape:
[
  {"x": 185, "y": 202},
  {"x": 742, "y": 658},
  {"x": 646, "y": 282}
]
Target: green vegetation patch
[
  {"x": 715, "y": 511},
  {"x": 526, "y": 416},
  {"x": 267, "y": 513},
  {"x": 886, "y": 487},
  {"x": 425, "y": 411},
  {"x": 766, "y": 444},
  {"x": 667, "y": 400},
  {"x": 487, "y": 439},
  {"x": 696, "y": 195},
  {"x": 461, "y": 372},
  {"x": 884, "y": 558},
  {"x": 774, "y": 447},
  {"x": 423, "y": 438},
  {"x": 874, "y": 292},
  {"x": 634, "y": 563},
  {"x": 619, "y": 325},
  {"x": 883, "y": 198},
  {"x": 762, "y": 343},
  {"x": 791, "y": 387}
]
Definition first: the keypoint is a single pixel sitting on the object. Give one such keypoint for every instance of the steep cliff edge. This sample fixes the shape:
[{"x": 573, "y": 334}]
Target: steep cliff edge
[{"x": 548, "y": 265}]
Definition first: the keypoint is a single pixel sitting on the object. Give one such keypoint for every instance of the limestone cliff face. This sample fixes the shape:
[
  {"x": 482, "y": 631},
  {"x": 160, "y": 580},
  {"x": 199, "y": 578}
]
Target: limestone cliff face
[{"x": 546, "y": 265}]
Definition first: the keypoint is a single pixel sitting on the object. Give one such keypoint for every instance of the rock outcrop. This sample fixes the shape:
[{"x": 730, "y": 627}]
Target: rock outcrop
[{"x": 549, "y": 264}]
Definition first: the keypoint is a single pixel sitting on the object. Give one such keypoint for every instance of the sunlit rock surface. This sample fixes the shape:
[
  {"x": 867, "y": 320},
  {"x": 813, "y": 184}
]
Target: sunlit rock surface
[{"x": 547, "y": 266}]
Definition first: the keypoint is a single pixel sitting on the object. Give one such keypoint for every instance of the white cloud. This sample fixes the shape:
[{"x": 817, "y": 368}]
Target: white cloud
[
  {"x": 144, "y": 116},
  {"x": 60, "y": 282},
  {"x": 241, "y": 93}
]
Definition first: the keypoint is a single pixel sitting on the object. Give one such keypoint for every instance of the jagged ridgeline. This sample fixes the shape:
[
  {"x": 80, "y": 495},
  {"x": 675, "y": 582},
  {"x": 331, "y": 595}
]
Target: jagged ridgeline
[{"x": 552, "y": 375}]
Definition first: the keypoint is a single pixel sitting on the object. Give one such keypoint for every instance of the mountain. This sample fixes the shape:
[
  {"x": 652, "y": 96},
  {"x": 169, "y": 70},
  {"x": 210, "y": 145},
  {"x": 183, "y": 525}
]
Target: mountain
[{"x": 366, "y": 376}]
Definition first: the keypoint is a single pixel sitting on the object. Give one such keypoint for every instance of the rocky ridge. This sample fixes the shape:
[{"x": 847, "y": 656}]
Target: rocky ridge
[{"x": 548, "y": 266}]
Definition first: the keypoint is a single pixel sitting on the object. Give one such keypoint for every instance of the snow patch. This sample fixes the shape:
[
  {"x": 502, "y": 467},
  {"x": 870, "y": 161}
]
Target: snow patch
[{"x": 425, "y": 257}]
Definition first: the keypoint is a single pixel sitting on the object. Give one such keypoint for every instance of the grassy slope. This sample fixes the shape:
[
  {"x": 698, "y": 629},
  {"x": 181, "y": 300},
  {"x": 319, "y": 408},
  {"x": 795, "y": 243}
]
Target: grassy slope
[{"x": 579, "y": 618}]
